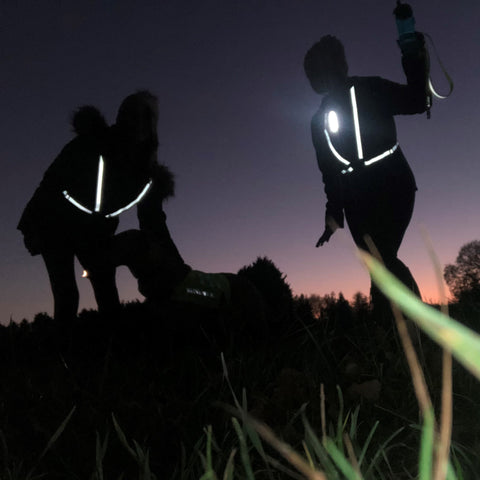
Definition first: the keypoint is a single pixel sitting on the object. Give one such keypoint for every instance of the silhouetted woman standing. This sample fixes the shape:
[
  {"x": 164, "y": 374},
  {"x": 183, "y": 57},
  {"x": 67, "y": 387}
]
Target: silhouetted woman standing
[
  {"x": 59, "y": 231},
  {"x": 74, "y": 212}
]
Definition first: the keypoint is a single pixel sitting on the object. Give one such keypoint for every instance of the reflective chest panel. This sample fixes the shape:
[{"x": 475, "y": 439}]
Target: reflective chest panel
[
  {"x": 204, "y": 289},
  {"x": 333, "y": 124},
  {"x": 98, "y": 194}
]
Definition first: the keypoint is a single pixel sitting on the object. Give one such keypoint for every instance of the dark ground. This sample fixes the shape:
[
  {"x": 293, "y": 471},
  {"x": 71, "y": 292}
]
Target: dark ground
[{"x": 162, "y": 379}]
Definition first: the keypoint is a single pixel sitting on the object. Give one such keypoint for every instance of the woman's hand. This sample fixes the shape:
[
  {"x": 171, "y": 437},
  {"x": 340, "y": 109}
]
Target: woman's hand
[{"x": 325, "y": 237}]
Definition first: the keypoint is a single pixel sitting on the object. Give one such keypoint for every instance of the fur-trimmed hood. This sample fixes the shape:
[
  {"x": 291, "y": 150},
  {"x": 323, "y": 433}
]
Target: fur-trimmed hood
[
  {"x": 88, "y": 120},
  {"x": 163, "y": 180}
]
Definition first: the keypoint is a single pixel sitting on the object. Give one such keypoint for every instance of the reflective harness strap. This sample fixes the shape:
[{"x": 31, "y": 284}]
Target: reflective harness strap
[
  {"x": 98, "y": 198},
  {"x": 356, "y": 122},
  {"x": 381, "y": 156},
  {"x": 337, "y": 155},
  {"x": 74, "y": 202},
  {"x": 358, "y": 138},
  {"x": 134, "y": 202},
  {"x": 98, "y": 194}
]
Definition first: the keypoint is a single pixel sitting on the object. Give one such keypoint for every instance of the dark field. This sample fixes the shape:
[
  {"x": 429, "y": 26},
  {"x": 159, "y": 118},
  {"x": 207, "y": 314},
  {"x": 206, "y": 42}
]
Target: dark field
[{"x": 143, "y": 388}]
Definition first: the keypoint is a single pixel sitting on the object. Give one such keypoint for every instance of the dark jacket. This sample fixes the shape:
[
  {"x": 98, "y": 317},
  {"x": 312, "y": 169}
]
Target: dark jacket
[
  {"x": 134, "y": 170},
  {"x": 49, "y": 220},
  {"x": 382, "y": 169},
  {"x": 151, "y": 216}
]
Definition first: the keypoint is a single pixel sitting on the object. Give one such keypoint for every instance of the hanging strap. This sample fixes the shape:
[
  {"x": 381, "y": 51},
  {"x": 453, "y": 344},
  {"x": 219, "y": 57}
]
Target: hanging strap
[{"x": 447, "y": 76}]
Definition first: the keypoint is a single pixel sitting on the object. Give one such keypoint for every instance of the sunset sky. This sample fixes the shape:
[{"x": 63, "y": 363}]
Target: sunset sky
[{"x": 235, "y": 110}]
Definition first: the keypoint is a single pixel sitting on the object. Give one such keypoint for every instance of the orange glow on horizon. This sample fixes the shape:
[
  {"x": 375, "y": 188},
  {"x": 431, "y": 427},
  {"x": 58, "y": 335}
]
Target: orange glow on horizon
[{"x": 429, "y": 291}]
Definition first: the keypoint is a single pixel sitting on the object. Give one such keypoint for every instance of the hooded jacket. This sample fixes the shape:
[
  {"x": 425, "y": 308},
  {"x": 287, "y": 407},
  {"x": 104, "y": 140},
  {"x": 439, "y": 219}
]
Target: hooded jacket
[
  {"x": 51, "y": 220},
  {"x": 355, "y": 138}
]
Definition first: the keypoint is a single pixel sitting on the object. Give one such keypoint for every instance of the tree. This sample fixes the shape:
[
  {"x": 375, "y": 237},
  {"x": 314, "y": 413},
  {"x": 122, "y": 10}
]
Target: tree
[
  {"x": 316, "y": 304},
  {"x": 322, "y": 306},
  {"x": 271, "y": 283},
  {"x": 343, "y": 313},
  {"x": 463, "y": 277},
  {"x": 361, "y": 306},
  {"x": 303, "y": 309}
]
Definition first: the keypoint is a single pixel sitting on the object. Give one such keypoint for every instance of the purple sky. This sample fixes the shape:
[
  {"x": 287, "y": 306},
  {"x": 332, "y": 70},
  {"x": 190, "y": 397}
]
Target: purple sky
[{"x": 235, "y": 109}]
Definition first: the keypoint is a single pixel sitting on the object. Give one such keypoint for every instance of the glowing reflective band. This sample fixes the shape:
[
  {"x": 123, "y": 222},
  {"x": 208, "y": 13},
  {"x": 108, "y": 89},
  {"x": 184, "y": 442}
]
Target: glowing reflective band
[
  {"x": 332, "y": 148},
  {"x": 332, "y": 121},
  {"x": 131, "y": 204},
  {"x": 204, "y": 293},
  {"x": 383, "y": 155},
  {"x": 357, "y": 124},
  {"x": 434, "y": 92},
  {"x": 98, "y": 198},
  {"x": 332, "y": 124},
  {"x": 74, "y": 202}
]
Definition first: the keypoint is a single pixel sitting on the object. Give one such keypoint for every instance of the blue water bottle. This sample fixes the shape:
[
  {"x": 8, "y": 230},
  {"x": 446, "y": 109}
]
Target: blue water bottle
[{"x": 407, "y": 38}]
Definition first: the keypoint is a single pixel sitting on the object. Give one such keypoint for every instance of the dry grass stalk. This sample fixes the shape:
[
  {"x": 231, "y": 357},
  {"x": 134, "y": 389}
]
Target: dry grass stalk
[
  {"x": 322, "y": 414},
  {"x": 285, "y": 450},
  {"x": 446, "y": 420},
  {"x": 418, "y": 378},
  {"x": 351, "y": 455}
]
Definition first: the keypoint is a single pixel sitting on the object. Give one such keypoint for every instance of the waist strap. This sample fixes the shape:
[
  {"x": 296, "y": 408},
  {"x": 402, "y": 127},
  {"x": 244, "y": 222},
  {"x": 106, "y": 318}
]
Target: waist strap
[{"x": 366, "y": 163}]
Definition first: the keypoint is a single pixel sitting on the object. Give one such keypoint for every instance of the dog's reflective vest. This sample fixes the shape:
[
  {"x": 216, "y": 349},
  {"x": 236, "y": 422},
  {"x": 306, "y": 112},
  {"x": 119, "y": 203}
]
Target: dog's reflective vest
[
  {"x": 205, "y": 289},
  {"x": 333, "y": 127},
  {"x": 99, "y": 193}
]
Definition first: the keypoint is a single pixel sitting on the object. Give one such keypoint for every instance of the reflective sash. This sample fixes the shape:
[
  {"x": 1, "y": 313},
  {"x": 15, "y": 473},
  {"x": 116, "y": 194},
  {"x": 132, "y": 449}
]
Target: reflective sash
[
  {"x": 98, "y": 195},
  {"x": 332, "y": 124}
]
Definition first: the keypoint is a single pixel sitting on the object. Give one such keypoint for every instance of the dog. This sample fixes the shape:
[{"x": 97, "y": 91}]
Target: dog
[{"x": 225, "y": 308}]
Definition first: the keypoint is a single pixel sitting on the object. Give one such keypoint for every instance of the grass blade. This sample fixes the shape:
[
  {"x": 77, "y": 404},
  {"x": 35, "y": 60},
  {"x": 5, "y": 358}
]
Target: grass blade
[
  {"x": 318, "y": 447},
  {"x": 341, "y": 462},
  {"x": 230, "y": 467},
  {"x": 378, "y": 455},
  {"x": 123, "y": 438},
  {"x": 367, "y": 443},
  {"x": 426, "y": 447},
  {"x": 461, "y": 341},
  {"x": 59, "y": 431},
  {"x": 243, "y": 450}
]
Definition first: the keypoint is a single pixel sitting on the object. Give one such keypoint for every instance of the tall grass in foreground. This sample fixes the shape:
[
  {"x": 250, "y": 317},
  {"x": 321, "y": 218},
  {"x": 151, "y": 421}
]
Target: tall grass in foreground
[
  {"x": 250, "y": 450},
  {"x": 455, "y": 339},
  {"x": 336, "y": 456}
]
